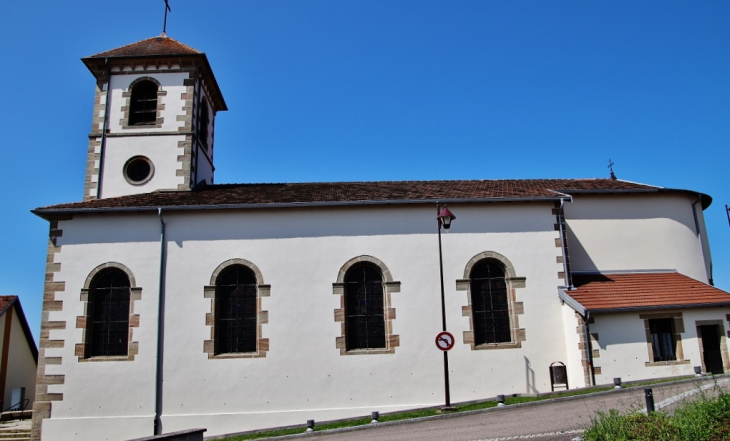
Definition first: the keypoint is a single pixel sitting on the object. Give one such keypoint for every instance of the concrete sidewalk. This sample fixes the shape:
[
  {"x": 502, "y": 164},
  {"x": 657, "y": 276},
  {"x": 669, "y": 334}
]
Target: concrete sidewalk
[{"x": 550, "y": 420}]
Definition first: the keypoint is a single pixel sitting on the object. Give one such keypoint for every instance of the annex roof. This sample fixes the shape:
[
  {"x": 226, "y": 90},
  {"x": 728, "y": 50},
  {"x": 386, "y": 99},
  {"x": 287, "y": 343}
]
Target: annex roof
[
  {"x": 7, "y": 302},
  {"x": 614, "y": 292},
  {"x": 356, "y": 193}
]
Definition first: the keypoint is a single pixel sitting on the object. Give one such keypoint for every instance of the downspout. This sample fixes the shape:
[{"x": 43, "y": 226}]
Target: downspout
[
  {"x": 196, "y": 130},
  {"x": 103, "y": 129},
  {"x": 589, "y": 348},
  {"x": 160, "y": 329},
  {"x": 699, "y": 238},
  {"x": 566, "y": 268}
]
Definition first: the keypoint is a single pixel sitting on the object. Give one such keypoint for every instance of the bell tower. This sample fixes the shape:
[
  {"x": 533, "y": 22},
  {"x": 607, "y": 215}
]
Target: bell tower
[{"x": 154, "y": 119}]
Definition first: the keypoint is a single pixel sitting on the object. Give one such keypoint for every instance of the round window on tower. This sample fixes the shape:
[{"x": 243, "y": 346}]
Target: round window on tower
[{"x": 138, "y": 170}]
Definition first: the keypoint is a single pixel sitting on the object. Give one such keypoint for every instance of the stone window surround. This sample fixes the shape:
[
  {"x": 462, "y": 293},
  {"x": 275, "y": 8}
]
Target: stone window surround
[
  {"x": 262, "y": 317},
  {"x": 723, "y": 342},
  {"x": 389, "y": 286},
  {"x": 83, "y": 322},
  {"x": 678, "y": 326},
  {"x": 515, "y": 308},
  {"x": 127, "y": 95}
]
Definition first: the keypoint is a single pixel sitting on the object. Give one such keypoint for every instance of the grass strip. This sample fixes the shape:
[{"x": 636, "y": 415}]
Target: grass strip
[
  {"x": 431, "y": 412},
  {"x": 704, "y": 419}
]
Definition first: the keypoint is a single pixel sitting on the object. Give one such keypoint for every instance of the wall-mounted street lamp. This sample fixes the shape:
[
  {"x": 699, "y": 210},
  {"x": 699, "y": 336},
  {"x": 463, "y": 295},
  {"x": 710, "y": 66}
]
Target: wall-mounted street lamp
[{"x": 444, "y": 219}]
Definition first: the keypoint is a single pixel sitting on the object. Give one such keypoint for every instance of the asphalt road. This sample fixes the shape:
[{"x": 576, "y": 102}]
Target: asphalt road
[{"x": 553, "y": 421}]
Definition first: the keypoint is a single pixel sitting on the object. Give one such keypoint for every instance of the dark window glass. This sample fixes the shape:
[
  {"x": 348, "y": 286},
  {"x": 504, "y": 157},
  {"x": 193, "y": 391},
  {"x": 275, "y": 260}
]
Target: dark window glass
[
  {"x": 138, "y": 170},
  {"x": 662, "y": 339},
  {"x": 143, "y": 105},
  {"x": 364, "y": 311},
  {"x": 109, "y": 306},
  {"x": 235, "y": 315},
  {"x": 489, "y": 303},
  {"x": 203, "y": 123}
]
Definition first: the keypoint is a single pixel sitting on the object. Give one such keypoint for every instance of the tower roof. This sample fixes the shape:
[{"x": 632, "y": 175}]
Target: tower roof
[
  {"x": 151, "y": 47},
  {"x": 152, "y": 52}
]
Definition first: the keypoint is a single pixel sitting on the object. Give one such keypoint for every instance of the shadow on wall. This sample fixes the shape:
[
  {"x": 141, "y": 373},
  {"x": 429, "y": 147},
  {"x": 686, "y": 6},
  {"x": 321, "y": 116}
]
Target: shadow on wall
[
  {"x": 529, "y": 377},
  {"x": 578, "y": 253}
]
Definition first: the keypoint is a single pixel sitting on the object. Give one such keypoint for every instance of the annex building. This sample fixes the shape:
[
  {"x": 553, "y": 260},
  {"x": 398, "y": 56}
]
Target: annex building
[{"x": 173, "y": 302}]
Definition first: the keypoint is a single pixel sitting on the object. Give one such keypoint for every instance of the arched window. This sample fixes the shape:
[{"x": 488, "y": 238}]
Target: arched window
[
  {"x": 109, "y": 297},
  {"x": 203, "y": 122},
  {"x": 364, "y": 308},
  {"x": 143, "y": 104},
  {"x": 235, "y": 310},
  {"x": 490, "y": 304}
]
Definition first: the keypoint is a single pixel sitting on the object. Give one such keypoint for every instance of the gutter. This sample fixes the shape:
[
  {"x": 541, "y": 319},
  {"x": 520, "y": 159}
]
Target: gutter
[
  {"x": 160, "y": 330},
  {"x": 51, "y": 211}
]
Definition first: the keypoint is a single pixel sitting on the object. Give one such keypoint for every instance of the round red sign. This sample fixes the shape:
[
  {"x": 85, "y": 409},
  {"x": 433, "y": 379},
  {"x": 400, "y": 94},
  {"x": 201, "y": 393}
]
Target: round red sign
[{"x": 444, "y": 341}]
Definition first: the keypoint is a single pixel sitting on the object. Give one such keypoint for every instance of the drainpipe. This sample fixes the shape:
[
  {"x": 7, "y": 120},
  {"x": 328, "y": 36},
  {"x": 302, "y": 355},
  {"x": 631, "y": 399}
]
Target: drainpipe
[
  {"x": 566, "y": 268},
  {"x": 699, "y": 238},
  {"x": 589, "y": 348},
  {"x": 196, "y": 130},
  {"x": 160, "y": 328},
  {"x": 103, "y": 128}
]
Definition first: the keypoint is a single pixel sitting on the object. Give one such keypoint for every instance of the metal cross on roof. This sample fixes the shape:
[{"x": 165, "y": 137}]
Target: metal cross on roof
[
  {"x": 610, "y": 167},
  {"x": 164, "y": 25}
]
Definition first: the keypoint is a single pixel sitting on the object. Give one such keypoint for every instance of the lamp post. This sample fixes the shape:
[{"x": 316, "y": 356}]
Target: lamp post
[{"x": 444, "y": 218}]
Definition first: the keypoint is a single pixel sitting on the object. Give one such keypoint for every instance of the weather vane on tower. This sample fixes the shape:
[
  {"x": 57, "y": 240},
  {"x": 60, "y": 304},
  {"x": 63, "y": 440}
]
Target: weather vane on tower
[{"x": 164, "y": 25}]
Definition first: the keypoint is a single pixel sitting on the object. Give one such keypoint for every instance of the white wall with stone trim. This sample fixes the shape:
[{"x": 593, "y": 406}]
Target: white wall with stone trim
[
  {"x": 573, "y": 354},
  {"x": 299, "y": 252},
  {"x": 21, "y": 364},
  {"x": 625, "y": 232},
  {"x": 170, "y": 82},
  {"x": 623, "y": 346},
  {"x": 162, "y": 151}
]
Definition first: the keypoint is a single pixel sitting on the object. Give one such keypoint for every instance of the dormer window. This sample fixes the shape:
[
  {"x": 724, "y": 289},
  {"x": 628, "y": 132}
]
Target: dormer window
[{"x": 143, "y": 104}]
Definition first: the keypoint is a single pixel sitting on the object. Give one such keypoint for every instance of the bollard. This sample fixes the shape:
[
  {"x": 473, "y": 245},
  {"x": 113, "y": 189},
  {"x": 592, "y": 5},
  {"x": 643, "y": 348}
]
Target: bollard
[
  {"x": 649, "y": 400},
  {"x": 617, "y": 383},
  {"x": 500, "y": 400},
  {"x": 698, "y": 371},
  {"x": 310, "y": 425},
  {"x": 375, "y": 416}
]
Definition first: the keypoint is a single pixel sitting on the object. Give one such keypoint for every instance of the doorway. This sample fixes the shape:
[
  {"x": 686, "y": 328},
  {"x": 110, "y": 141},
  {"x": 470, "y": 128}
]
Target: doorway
[{"x": 710, "y": 336}]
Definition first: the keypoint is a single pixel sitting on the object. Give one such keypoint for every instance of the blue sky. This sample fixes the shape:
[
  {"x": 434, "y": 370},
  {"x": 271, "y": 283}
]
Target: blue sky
[{"x": 385, "y": 90}]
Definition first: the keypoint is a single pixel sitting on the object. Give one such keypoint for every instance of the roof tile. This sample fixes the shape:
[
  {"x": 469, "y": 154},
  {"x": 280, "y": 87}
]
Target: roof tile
[
  {"x": 643, "y": 291},
  {"x": 355, "y": 192},
  {"x": 154, "y": 46}
]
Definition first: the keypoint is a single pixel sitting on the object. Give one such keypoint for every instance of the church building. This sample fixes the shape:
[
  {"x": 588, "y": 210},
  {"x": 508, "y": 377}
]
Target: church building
[{"x": 172, "y": 302}]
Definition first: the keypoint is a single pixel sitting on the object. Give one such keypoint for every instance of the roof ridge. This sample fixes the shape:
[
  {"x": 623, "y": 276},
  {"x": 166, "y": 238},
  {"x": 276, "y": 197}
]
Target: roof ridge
[{"x": 108, "y": 53}]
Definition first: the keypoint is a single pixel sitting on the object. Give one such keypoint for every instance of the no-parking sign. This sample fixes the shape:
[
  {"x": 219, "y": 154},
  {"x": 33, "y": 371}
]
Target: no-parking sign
[{"x": 444, "y": 341}]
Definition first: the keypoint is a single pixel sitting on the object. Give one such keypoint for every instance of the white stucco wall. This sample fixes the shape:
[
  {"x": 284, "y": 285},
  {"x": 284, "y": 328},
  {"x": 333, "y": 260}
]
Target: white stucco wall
[
  {"x": 573, "y": 355},
  {"x": 623, "y": 346},
  {"x": 162, "y": 151},
  {"x": 655, "y": 231},
  {"x": 21, "y": 364},
  {"x": 299, "y": 253}
]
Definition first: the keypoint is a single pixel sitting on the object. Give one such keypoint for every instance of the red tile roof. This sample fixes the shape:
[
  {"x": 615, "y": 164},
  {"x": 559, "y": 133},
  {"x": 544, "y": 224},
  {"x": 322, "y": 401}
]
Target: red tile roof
[
  {"x": 155, "y": 46},
  {"x": 348, "y": 193},
  {"x": 614, "y": 291},
  {"x": 5, "y": 301}
]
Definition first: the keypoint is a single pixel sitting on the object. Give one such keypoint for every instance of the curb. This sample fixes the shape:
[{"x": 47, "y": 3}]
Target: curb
[{"x": 470, "y": 412}]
